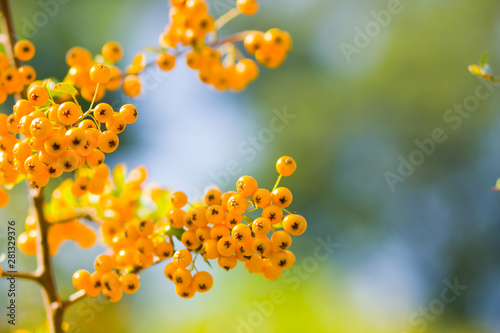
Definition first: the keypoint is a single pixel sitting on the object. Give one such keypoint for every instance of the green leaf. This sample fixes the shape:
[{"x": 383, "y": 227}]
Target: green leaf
[
  {"x": 119, "y": 176},
  {"x": 278, "y": 226},
  {"x": 247, "y": 219},
  {"x": 169, "y": 230},
  {"x": 483, "y": 59},
  {"x": 66, "y": 88}
]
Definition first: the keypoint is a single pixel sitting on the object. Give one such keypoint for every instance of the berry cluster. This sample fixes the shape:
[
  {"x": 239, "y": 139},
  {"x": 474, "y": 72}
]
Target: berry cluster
[
  {"x": 218, "y": 61},
  {"x": 269, "y": 48},
  {"x": 12, "y": 79},
  {"x": 221, "y": 229},
  {"x": 93, "y": 78},
  {"x": 189, "y": 24},
  {"x": 58, "y": 138},
  {"x": 139, "y": 224}
]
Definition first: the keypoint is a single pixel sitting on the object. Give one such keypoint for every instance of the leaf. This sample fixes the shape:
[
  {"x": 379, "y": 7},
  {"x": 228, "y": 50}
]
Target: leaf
[
  {"x": 483, "y": 59},
  {"x": 66, "y": 88},
  {"x": 119, "y": 176},
  {"x": 247, "y": 219},
  {"x": 171, "y": 231}
]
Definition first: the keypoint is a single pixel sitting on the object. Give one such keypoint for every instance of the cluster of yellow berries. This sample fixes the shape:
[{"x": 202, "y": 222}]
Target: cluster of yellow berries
[
  {"x": 189, "y": 24},
  {"x": 269, "y": 48},
  {"x": 58, "y": 138},
  {"x": 219, "y": 63},
  {"x": 138, "y": 224},
  {"x": 81, "y": 65},
  {"x": 12, "y": 79},
  {"x": 221, "y": 229}
]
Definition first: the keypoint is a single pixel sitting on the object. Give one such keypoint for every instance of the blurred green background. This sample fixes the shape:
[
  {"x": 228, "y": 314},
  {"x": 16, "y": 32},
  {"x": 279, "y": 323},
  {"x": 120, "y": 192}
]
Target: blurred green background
[{"x": 398, "y": 245}]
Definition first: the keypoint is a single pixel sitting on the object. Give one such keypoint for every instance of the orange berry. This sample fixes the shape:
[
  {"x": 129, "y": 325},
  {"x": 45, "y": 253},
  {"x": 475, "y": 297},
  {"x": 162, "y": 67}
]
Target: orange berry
[
  {"x": 104, "y": 263},
  {"x": 165, "y": 61},
  {"x": 262, "y": 197},
  {"x": 129, "y": 113},
  {"x": 100, "y": 73},
  {"x": 247, "y": 7},
  {"x": 273, "y": 213},
  {"x": 108, "y": 142},
  {"x": 28, "y": 74},
  {"x": 246, "y": 186},
  {"x": 112, "y": 52},
  {"x": 82, "y": 279},
  {"x": 183, "y": 258},
  {"x": 103, "y": 112},
  {"x": 132, "y": 86},
  {"x": 179, "y": 199},
  {"x": 282, "y": 197},
  {"x": 237, "y": 204},
  {"x": 24, "y": 50},
  {"x": 68, "y": 113},
  {"x": 78, "y": 56},
  {"x": 294, "y": 224},
  {"x": 38, "y": 96},
  {"x": 202, "y": 282}
]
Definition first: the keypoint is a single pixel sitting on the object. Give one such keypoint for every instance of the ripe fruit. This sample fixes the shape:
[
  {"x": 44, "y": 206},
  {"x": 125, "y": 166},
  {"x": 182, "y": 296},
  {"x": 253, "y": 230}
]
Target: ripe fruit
[
  {"x": 202, "y": 282},
  {"x": 38, "y": 96},
  {"x": 112, "y": 52},
  {"x": 247, "y": 7},
  {"x": 286, "y": 166},
  {"x": 100, "y": 73},
  {"x": 24, "y": 50}
]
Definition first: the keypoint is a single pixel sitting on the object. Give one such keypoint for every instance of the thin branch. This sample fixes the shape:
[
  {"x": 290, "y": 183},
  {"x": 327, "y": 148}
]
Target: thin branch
[
  {"x": 87, "y": 217},
  {"x": 32, "y": 276},
  {"x": 228, "y": 16},
  {"x": 74, "y": 298}
]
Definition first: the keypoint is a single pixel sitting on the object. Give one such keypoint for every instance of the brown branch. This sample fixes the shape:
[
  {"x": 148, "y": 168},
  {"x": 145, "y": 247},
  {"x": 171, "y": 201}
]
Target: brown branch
[
  {"x": 87, "y": 217},
  {"x": 22, "y": 275},
  {"x": 8, "y": 30},
  {"x": 74, "y": 298},
  {"x": 53, "y": 304}
]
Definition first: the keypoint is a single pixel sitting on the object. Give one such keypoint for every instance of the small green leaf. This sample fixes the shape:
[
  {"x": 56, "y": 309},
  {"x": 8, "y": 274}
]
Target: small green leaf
[
  {"x": 66, "y": 88},
  {"x": 483, "y": 59},
  {"x": 119, "y": 176},
  {"x": 247, "y": 219},
  {"x": 171, "y": 231},
  {"x": 278, "y": 225}
]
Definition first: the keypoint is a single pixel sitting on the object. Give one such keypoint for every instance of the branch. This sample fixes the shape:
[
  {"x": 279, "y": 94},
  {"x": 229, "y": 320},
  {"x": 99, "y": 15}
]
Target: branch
[
  {"x": 8, "y": 30},
  {"x": 87, "y": 217},
  {"x": 74, "y": 298},
  {"x": 32, "y": 276}
]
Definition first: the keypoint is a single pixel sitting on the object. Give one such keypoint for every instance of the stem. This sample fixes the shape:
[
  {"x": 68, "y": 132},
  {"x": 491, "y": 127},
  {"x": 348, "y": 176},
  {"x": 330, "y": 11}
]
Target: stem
[
  {"x": 22, "y": 275},
  {"x": 8, "y": 29},
  {"x": 93, "y": 99},
  {"x": 277, "y": 183},
  {"x": 227, "y": 17},
  {"x": 235, "y": 37}
]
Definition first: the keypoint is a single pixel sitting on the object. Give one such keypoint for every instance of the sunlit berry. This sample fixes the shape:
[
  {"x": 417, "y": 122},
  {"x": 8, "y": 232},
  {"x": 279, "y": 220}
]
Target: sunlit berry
[
  {"x": 24, "y": 50},
  {"x": 100, "y": 73}
]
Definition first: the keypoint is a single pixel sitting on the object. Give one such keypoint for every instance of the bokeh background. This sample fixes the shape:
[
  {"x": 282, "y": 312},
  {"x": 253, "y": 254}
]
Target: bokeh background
[{"x": 397, "y": 250}]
